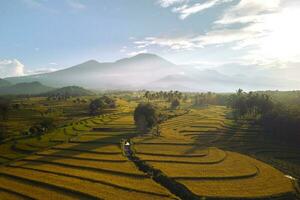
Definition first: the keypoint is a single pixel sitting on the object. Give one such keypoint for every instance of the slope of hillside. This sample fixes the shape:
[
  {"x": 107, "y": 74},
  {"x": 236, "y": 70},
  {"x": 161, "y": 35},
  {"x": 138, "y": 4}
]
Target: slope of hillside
[
  {"x": 4, "y": 83},
  {"x": 70, "y": 91},
  {"x": 25, "y": 88}
]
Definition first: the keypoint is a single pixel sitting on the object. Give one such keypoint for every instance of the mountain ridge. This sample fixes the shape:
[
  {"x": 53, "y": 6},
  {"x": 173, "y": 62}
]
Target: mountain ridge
[
  {"x": 150, "y": 71},
  {"x": 30, "y": 88}
]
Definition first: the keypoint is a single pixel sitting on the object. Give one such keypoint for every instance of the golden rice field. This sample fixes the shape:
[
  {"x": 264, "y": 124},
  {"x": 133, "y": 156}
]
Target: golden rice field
[
  {"x": 203, "y": 150},
  {"x": 89, "y": 166},
  {"x": 205, "y": 158}
]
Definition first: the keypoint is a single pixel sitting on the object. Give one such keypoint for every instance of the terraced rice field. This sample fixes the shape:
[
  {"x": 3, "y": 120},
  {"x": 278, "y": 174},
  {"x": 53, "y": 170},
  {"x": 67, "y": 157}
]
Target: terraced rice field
[
  {"x": 90, "y": 166},
  {"x": 200, "y": 151},
  {"x": 203, "y": 158}
]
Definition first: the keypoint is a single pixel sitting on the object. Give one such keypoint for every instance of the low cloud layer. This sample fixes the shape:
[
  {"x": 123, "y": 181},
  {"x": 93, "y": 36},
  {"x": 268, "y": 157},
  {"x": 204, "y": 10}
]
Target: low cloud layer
[{"x": 10, "y": 68}]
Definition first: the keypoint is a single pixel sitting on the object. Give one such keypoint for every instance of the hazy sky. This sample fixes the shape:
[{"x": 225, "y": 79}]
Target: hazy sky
[{"x": 44, "y": 35}]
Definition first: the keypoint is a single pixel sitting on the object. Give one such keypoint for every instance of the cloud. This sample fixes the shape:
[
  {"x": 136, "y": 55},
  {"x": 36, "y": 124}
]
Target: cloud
[
  {"x": 272, "y": 35},
  {"x": 33, "y": 3},
  {"x": 263, "y": 33},
  {"x": 179, "y": 43},
  {"x": 249, "y": 11},
  {"x": 123, "y": 49},
  {"x": 75, "y": 4},
  {"x": 42, "y": 5},
  {"x": 40, "y": 71},
  {"x": 167, "y": 3},
  {"x": 53, "y": 64},
  {"x": 10, "y": 68},
  {"x": 133, "y": 53},
  {"x": 184, "y": 8},
  {"x": 187, "y": 10}
]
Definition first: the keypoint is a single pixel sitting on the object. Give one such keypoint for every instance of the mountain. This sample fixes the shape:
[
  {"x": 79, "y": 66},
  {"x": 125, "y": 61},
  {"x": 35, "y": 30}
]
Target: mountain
[
  {"x": 70, "y": 91},
  {"x": 25, "y": 89},
  {"x": 4, "y": 83},
  {"x": 203, "y": 80},
  {"x": 149, "y": 71},
  {"x": 122, "y": 74}
]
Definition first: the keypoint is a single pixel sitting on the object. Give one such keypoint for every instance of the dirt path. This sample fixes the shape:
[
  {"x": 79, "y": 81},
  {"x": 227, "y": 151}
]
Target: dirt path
[{"x": 158, "y": 176}]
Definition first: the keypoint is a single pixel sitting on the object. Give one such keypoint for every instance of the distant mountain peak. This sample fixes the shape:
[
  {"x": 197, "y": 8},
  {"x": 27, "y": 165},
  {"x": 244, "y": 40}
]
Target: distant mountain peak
[
  {"x": 143, "y": 57},
  {"x": 146, "y": 55},
  {"x": 90, "y": 62}
]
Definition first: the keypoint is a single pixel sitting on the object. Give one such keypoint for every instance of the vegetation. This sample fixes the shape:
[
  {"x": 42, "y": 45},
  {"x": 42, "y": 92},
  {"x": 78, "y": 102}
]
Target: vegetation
[
  {"x": 280, "y": 121},
  {"x": 31, "y": 88},
  {"x": 4, "y": 107},
  {"x": 97, "y": 105},
  {"x": 175, "y": 103},
  {"x": 67, "y": 92},
  {"x": 168, "y": 96},
  {"x": 201, "y": 147},
  {"x": 145, "y": 117},
  {"x": 4, "y": 83}
]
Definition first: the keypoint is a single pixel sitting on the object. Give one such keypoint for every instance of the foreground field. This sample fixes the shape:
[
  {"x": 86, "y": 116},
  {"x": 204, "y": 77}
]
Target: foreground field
[
  {"x": 90, "y": 166},
  {"x": 197, "y": 150},
  {"x": 183, "y": 152}
]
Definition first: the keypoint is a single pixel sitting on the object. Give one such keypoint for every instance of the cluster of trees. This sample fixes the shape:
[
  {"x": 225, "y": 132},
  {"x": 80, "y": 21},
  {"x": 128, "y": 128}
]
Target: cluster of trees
[
  {"x": 58, "y": 97},
  {"x": 279, "y": 120},
  {"x": 46, "y": 124},
  {"x": 284, "y": 97},
  {"x": 249, "y": 104},
  {"x": 145, "y": 117},
  {"x": 97, "y": 105},
  {"x": 168, "y": 96},
  {"x": 283, "y": 122},
  {"x": 78, "y": 100},
  {"x": 201, "y": 99},
  {"x": 4, "y": 107},
  {"x": 2, "y": 133}
]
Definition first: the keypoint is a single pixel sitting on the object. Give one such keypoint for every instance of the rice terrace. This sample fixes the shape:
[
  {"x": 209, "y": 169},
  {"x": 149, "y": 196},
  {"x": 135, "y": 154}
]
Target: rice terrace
[{"x": 143, "y": 100}]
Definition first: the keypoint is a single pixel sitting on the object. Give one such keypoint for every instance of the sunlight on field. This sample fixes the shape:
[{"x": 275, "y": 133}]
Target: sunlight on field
[
  {"x": 85, "y": 159},
  {"x": 208, "y": 171}
]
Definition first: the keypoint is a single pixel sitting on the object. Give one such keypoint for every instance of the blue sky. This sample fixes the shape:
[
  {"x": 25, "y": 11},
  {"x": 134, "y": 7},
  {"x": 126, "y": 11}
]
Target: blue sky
[{"x": 44, "y": 35}]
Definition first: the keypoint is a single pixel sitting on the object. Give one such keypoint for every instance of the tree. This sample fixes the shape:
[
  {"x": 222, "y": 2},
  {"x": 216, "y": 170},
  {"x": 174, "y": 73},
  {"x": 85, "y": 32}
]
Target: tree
[
  {"x": 4, "y": 107},
  {"x": 175, "y": 103},
  {"x": 47, "y": 123},
  {"x": 2, "y": 133},
  {"x": 145, "y": 117},
  {"x": 96, "y": 105},
  {"x": 147, "y": 95},
  {"x": 109, "y": 102},
  {"x": 101, "y": 103}
]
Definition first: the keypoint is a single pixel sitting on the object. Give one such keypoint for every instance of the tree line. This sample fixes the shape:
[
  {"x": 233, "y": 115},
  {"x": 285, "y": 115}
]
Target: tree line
[
  {"x": 280, "y": 121},
  {"x": 209, "y": 98},
  {"x": 164, "y": 95}
]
